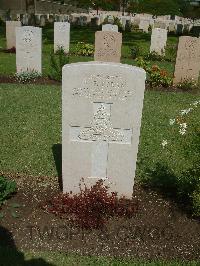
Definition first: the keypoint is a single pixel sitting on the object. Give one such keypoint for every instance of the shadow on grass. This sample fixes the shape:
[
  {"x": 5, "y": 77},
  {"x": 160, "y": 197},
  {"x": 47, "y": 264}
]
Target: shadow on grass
[
  {"x": 177, "y": 187},
  {"x": 57, "y": 154},
  {"x": 135, "y": 37},
  {"x": 9, "y": 255}
]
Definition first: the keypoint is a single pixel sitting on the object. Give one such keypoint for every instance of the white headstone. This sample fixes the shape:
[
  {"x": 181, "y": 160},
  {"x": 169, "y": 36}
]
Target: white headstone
[
  {"x": 158, "y": 41},
  {"x": 187, "y": 66},
  {"x": 10, "y": 33},
  {"x": 109, "y": 27},
  {"x": 29, "y": 49},
  {"x": 123, "y": 21},
  {"x": 42, "y": 21},
  {"x": 144, "y": 25},
  {"x": 108, "y": 46},
  {"x": 101, "y": 117},
  {"x": 61, "y": 36}
]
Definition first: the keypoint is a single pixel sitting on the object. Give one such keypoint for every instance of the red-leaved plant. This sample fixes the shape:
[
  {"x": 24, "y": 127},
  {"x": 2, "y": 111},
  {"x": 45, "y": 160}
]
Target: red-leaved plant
[
  {"x": 11, "y": 50},
  {"x": 91, "y": 207}
]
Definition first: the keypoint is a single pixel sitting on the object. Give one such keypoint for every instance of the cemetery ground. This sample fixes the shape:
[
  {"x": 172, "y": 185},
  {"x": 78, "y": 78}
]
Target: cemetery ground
[
  {"x": 87, "y": 35},
  {"x": 162, "y": 229},
  {"x": 30, "y": 154}
]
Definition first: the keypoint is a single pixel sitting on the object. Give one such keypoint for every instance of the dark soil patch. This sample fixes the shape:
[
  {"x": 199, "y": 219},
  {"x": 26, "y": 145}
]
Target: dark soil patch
[
  {"x": 48, "y": 81},
  {"x": 158, "y": 230}
]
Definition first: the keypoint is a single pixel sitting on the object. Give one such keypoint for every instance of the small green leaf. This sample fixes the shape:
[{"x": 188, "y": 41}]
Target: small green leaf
[
  {"x": 14, "y": 214},
  {"x": 15, "y": 205},
  {"x": 1, "y": 215}
]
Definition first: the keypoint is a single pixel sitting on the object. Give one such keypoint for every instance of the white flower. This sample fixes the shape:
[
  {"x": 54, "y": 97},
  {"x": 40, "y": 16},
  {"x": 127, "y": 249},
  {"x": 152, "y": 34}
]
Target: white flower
[
  {"x": 183, "y": 125},
  {"x": 195, "y": 103},
  {"x": 164, "y": 143},
  {"x": 186, "y": 111},
  {"x": 182, "y": 131},
  {"x": 172, "y": 121}
]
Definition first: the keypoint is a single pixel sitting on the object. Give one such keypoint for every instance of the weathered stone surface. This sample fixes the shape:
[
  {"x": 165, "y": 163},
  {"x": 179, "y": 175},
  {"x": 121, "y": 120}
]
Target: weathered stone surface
[
  {"x": 158, "y": 41},
  {"x": 61, "y": 36},
  {"x": 188, "y": 59},
  {"x": 144, "y": 25},
  {"x": 11, "y": 34},
  {"x": 108, "y": 46},
  {"x": 29, "y": 49},
  {"x": 101, "y": 118},
  {"x": 109, "y": 27}
]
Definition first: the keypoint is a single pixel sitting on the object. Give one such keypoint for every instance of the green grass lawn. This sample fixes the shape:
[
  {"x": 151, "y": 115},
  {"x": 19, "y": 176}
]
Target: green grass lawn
[
  {"x": 31, "y": 124},
  {"x": 8, "y": 256},
  {"x": 130, "y": 39}
]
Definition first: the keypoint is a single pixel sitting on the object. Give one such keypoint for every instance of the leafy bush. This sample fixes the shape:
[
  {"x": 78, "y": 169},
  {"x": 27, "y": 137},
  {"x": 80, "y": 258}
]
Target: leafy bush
[
  {"x": 57, "y": 61},
  {"x": 106, "y": 20},
  {"x": 159, "y": 77},
  {"x": 155, "y": 76},
  {"x": 150, "y": 28},
  {"x": 134, "y": 51},
  {"x": 7, "y": 188},
  {"x": 2, "y": 23},
  {"x": 84, "y": 49},
  {"x": 134, "y": 27},
  {"x": 183, "y": 136},
  {"x": 26, "y": 76},
  {"x": 91, "y": 208},
  {"x": 170, "y": 54},
  {"x": 11, "y": 50},
  {"x": 128, "y": 26},
  {"x": 188, "y": 84},
  {"x": 153, "y": 56},
  {"x": 196, "y": 202},
  {"x": 118, "y": 23}
]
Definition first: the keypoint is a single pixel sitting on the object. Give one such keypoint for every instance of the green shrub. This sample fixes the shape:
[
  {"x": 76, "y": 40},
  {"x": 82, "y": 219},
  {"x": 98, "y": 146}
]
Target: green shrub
[
  {"x": 84, "y": 49},
  {"x": 118, "y": 23},
  {"x": 2, "y": 23},
  {"x": 26, "y": 76},
  {"x": 153, "y": 56},
  {"x": 134, "y": 51},
  {"x": 189, "y": 84},
  {"x": 155, "y": 76},
  {"x": 159, "y": 77},
  {"x": 170, "y": 52},
  {"x": 7, "y": 188},
  {"x": 57, "y": 61},
  {"x": 150, "y": 28},
  {"x": 196, "y": 202},
  {"x": 134, "y": 27},
  {"x": 106, "y": 20}
]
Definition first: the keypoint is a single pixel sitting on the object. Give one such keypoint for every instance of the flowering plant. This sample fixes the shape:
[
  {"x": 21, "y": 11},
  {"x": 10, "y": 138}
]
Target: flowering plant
[
  {"x": 84, "y": 49},
  {"x": 184, "y": 137},
  {"x": 27, "y": 76},
  {"x": 156, "y": 76},
  {"x": 183, "y": 119}
]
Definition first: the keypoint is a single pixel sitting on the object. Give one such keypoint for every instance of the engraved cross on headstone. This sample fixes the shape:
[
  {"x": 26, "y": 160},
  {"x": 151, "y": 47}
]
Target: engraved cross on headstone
[{"x": 100, "y": 134}]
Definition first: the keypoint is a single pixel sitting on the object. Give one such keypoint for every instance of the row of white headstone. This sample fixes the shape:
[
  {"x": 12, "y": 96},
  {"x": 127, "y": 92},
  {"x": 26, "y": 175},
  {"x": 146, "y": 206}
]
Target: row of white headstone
[
  {"x": 61, "y": 34},
  {"x": 108, "y": 44},
  {"x": 28, "y": 43},
  {"x": 101, "y": 110}
]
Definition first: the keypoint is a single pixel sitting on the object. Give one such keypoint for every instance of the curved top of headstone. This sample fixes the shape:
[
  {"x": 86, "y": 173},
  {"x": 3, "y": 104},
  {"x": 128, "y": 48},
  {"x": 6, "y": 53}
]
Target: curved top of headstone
[
  {"x": 101, "y": 63},
  {"x": 98, "y": 81}
]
